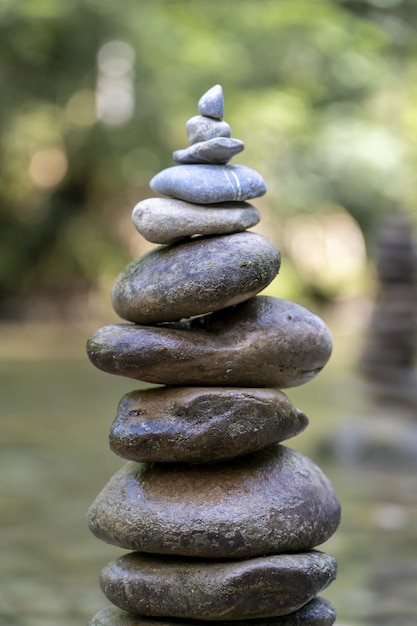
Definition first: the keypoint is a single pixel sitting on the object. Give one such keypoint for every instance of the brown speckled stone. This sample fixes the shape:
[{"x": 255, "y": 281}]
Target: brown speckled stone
[
  {"x": 263, "y": 342},
  {"x": 197, "y": 424},
  {"x": 273, "y": 501},
  {"x": 193, "y": 589},
  {"x": 317, "y": 612},
  {"x": 194, "y": 277}
]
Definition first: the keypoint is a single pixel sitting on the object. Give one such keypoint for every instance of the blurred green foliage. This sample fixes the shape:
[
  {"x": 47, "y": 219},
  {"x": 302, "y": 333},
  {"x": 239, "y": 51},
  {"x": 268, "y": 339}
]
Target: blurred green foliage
[{"x": 95, "y": 96}]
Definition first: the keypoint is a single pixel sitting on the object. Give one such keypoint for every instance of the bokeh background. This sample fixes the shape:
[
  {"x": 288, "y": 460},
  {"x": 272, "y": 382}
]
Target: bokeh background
[{"x": 94, "y": 98}]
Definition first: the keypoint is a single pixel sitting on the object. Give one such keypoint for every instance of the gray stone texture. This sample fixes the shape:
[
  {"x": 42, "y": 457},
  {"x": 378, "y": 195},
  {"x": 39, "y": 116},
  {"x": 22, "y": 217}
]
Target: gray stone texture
[
  {"x": 317, "y": 612},
  {"x": 167, "y": 220},
  {"x": 192, "y": 589},
  {"x": 194, "y": 277},
  {"x": 263, "y": 342},
  {"x": 207, "y": 184},
  {"x": 200, "y": 424},
  {"x": 201, "y": 128},
  {"x": 218, "y": 150},
  {"x": 273, "y": 501},
  {"x": 211, "y": 103}
]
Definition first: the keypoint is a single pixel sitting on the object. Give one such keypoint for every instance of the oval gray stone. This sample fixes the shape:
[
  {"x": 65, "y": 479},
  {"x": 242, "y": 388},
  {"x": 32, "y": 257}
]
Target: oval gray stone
[
  {"x": 167, "y": 220},
  {"x": 192, "y": 589},
  {"x": 218, "y": 150},
  {"x": 201, "y": 128},
  {"x": 208, "y": 184},
  {"x": 196, "y": 424},
  {"x": 194, "y": 277},
  {"x": 270, "y": 502},
  {"x": 211, "y": 103},
  {"x": 263, "y": 342},
  {"x": 317, "y": 612}
]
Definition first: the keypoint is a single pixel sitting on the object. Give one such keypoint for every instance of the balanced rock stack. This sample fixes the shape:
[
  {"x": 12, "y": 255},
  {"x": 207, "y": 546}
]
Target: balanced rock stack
[
  {"x": 221, "y": 519},
  {"x": 389, "y": 356}
]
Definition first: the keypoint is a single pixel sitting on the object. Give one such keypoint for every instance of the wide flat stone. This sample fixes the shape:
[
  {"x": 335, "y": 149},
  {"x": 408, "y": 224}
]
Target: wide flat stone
[
  {"x": 196, "y": 424},
  {"x": 211, "y": 103},
  {"x": 218, "y": 150},
  {"x": 317, "y": 612},
  {"x": 193, "y": 589},
  {"x": 167, "y": 220},
  {"x": 207, "y": 184},
  {"x": 194, "y": 277},
  {"x": 201, "y": 128},
  {"x": 263, "y": 342},
  {"x": 273, "y": 501}
]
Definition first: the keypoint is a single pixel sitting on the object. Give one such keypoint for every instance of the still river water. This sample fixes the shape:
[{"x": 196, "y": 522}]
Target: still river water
[{"x": 56, "y": 410}]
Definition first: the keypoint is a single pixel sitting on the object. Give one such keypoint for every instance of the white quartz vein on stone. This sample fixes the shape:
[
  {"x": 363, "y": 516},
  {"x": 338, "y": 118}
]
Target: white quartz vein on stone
[
  {"x": 236, "y": 187},
  {"x": 207, "y": 184}
]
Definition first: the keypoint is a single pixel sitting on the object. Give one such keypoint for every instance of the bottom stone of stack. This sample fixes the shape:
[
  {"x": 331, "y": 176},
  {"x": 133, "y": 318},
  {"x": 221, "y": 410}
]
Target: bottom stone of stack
[
  {"x": 196, "y": 589},
  {"x": 317, "y": 612}
]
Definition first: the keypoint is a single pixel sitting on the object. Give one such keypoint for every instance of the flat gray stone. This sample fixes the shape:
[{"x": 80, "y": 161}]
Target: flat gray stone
[
  {"x": 194, "y": 277},
  {"x": 263, "y": 342},
  {"x": 201, "y": 128},
  {"x": 196, "y": 424},
  {"x": 211, "y": 103},
  {"x": 273, "y": 501},
  {"x": 317, "y": 612},
  {"x": 192, "y": 589},
  {"x": 208, "y": 184},
  {"x": 167, "y": 220},
  {"x": 218, "y": 151}
]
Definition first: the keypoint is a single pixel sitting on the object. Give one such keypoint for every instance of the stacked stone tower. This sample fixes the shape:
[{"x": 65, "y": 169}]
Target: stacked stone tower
[
  {"x": 390, "y": 352},
  {"x": 221, "y": 520}
]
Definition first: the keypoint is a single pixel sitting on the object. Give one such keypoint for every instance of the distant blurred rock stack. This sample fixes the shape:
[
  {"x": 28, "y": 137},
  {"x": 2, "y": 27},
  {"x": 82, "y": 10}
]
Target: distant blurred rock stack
[
  {"x": 222, "y": 519},
  {"x": 385, "y": 434},
  {"x": 389, "y": 357}
]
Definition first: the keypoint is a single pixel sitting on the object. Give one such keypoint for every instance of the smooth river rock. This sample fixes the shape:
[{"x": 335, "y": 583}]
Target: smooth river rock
[
  {"x": 207, "y": 184},
  {"x": 263, "y": 342},
  {"x": 211, "y": 103},
  {"x": 317, "y": 612},
  {"x": 217, "y": 150},
  {"x": 202, "y": 128},
  {"x": 194, "y": 277},
  {"x": 196, "y": 424},
  {"x": 192, "y": 589},
  {"x": 167, "y": 220},
  {"x": 270, "y": 502}
]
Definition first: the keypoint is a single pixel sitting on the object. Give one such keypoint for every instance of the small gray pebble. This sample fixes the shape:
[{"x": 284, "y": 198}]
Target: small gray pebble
[
  {"x": 201, "y": 128},
  {"x": 218, "y": 150},
  {"x": 211, "y": 103}
]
